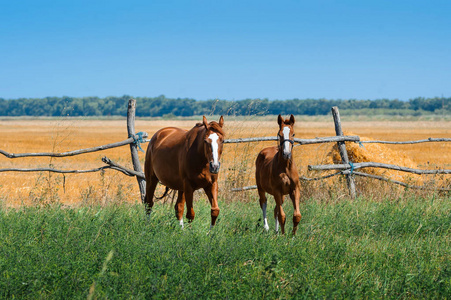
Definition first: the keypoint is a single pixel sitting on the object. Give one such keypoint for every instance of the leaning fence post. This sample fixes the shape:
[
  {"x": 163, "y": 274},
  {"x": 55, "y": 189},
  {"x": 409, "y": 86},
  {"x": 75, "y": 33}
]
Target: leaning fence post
[
  {"x": 134, "y": 147},
  {"x": 342, "y": 149}
]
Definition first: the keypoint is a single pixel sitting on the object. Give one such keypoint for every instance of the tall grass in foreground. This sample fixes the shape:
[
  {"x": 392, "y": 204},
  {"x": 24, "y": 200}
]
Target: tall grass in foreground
[{"x": 344, "y": 249}]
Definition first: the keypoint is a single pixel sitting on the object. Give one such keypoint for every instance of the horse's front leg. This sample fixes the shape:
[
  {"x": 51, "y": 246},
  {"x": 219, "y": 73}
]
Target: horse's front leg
[
  {"x": 295, "y": 195},
  {"x": 279, "y": 214},
  {"x": 212, "y": 194}
]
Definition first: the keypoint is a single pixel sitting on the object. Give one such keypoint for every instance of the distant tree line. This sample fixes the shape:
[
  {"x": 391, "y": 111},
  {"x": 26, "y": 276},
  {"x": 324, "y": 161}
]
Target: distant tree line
[{"x": 162, "y": 107}]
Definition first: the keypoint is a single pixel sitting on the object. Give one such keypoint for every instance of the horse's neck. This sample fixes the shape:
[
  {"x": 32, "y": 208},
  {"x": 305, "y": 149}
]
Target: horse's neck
[
  {"x": 281, "y": 162},
  {"x": 195, "y": 140}
]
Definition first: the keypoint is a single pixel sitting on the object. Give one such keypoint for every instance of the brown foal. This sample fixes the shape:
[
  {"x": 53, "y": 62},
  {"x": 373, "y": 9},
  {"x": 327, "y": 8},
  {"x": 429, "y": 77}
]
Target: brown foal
[{"x": 276, "y": 174}]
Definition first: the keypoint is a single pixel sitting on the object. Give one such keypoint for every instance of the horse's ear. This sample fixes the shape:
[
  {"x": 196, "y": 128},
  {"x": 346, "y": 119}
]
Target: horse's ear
[
  {"x": 205, "y": 122},
  {"x": 279, "y": 119},
  {"x": 221, "y": 121},
  {"x": 291, "y": 119}
]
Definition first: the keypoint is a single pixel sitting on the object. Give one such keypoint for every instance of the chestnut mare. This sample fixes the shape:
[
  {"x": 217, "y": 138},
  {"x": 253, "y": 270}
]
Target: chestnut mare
[
  {"x": 185, "y": 161},
  {"x": 276, "y": 174}
]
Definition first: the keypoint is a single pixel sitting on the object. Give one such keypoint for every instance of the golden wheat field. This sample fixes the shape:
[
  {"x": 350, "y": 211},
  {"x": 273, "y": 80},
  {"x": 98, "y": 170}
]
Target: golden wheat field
[{"x": 61, "y": 135}]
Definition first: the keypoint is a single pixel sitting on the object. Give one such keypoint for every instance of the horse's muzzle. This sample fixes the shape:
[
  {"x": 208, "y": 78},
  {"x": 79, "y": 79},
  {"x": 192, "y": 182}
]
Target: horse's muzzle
[
  {"x": 286, "y": 156},
  {"x": 214, "y": 169}
]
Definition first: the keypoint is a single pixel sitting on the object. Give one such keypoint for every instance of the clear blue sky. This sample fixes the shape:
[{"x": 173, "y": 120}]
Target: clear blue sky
[{"x": 226, "y": 49}]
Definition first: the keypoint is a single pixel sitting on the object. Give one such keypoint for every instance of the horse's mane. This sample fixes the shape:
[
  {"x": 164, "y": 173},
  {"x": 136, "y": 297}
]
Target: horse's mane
[
  {"x": 193, "y": 133},
  {"x": 214, "y": 125}
]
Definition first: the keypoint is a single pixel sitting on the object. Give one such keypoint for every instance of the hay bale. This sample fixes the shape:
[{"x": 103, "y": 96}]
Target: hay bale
[{"x": 375, "y": 153}]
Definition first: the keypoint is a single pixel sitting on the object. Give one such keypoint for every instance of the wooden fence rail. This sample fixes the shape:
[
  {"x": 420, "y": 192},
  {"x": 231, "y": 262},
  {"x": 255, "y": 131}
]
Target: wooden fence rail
[
  {"x": 331, "y": 139},
  {"x": 346, "y": 172},
  {"x": 349, "y": 169},
  {"x": 123, "y": 169},
  {"x": 56, "y": 170},
  {"x": 408, "y": 142},
  {"x": 130, "y": 140},
  {"x": 355, "y": 166},
  {"x": 111, "y": 165},
  {"x": 419, "y": 187}
]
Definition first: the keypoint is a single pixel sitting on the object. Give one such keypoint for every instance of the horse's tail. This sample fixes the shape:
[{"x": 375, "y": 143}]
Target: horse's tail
[{"x": 166, "y": 191}]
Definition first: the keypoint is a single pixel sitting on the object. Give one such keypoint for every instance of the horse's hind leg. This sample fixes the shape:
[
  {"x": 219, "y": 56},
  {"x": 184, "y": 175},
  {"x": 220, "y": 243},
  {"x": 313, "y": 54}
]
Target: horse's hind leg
[
  {"x": 188, "y": 197},
  {"x": 263, "y": 205},
  {"x": 180, "y": 206},
  {"x": 151, "y": 185}
]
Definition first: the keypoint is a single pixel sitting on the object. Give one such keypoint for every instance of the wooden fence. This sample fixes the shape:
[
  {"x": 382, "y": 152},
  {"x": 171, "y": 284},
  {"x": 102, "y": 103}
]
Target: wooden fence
[
  {"x": 134, "y": 140},
  {"x": 347, "y": 168}
]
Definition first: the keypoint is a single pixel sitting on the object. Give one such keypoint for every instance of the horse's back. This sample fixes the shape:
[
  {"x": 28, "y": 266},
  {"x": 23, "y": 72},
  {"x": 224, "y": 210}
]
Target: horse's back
[
  {"x": 163, "y": 156},
  {"x": 168, "y": 137},
  {"x": 265, "y": 157},
  {"x": 263, "y": 167}
]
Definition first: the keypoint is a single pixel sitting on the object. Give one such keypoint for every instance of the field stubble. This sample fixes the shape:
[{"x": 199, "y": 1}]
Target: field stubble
[{"x": 60, "y": 135}]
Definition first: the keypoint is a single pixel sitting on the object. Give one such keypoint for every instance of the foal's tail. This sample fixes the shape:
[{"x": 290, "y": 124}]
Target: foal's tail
[{"x": 166, "y": 191}]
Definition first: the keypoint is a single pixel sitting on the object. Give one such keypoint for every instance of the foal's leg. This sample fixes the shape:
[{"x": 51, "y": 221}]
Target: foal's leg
[
  {"x": 212, "y": 194},
  {"x": 179, "y": 207},
  {"x": 295, "y": 195},
  {"x": 263, "y": 204},
  {"x": 279, "y": 214}
]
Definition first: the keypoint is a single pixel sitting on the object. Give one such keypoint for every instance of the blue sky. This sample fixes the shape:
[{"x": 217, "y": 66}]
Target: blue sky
[{"x": 226, "y": 49}]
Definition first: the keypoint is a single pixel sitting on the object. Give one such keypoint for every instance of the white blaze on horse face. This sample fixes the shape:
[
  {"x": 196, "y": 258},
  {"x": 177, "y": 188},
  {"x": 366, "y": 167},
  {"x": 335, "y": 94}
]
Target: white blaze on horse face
[
  {"x": 286, "y": 144},
  {"x": 214, "y": 147}
]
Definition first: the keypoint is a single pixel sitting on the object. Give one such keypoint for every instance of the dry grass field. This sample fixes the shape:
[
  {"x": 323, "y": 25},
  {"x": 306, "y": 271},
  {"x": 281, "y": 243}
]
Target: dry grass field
[{"x": 60, "y": 135}]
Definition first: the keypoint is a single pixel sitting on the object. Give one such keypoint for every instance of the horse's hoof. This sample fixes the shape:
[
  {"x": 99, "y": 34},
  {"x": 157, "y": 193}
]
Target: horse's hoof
[{"x": 266, "y": 227}]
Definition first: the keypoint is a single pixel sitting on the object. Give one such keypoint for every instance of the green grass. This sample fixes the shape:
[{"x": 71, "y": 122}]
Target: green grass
[{"x": 359, "y": 249}]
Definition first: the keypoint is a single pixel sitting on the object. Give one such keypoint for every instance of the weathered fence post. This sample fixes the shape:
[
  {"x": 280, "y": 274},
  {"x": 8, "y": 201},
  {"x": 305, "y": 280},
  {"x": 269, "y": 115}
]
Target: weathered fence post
[
  {"x": 342, "y": 149},
  {"x": 134, "y": 147}
]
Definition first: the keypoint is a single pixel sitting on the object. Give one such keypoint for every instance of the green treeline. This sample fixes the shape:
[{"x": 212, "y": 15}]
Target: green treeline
[{"x": 161, "y": 106}]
